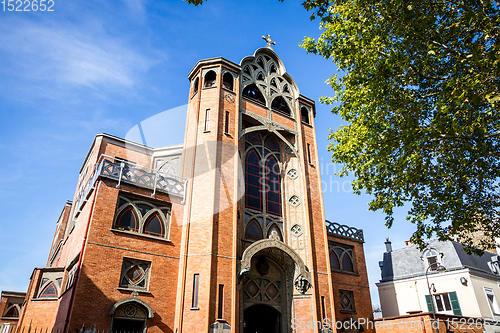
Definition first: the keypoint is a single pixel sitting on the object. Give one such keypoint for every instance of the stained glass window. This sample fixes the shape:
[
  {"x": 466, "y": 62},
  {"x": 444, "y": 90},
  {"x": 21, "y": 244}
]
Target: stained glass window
[
  {"x": 341, "y": 257},
  {"x": 154, "y": 225},
  {"x": 134, "y": 274},
  {"x": 141, "y": 217},
  {"x": 253, "y": 231},
  {"x": 253, "y": 191},
  {"x": 127, "y": 219},
  {"x": 49, "y": 291},
  {"x": 12, "y": 313}
]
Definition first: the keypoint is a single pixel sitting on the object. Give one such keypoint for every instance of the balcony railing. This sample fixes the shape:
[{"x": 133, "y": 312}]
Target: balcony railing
[
  {"x": 341, "y": 230},
  {"x": 125, "y": 172}
]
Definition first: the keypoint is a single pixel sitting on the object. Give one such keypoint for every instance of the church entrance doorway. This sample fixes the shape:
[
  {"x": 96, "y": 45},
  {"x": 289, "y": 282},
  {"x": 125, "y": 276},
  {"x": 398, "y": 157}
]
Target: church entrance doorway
[
  {"x": 127, "y": 325},
  {"x": 261, "y": 319},
  {"x": 130, "y": 316}
]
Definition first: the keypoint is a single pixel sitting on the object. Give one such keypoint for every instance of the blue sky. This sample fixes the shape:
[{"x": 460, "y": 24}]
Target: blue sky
[{"x": 95, "y": 66}]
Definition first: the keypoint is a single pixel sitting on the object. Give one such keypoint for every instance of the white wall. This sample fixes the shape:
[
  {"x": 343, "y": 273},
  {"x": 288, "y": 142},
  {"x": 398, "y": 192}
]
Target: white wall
[{"x": 401, "y": 297}]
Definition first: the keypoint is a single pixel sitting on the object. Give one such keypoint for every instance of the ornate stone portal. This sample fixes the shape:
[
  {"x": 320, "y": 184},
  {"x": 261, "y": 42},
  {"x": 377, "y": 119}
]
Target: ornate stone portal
[{"x": 269, "y": 272}]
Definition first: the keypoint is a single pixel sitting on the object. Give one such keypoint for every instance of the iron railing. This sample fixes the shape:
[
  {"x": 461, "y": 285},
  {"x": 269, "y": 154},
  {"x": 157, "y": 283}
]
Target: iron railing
[
  {"x": 345, "y": 231},
  {"x": 126, "y": 172}
]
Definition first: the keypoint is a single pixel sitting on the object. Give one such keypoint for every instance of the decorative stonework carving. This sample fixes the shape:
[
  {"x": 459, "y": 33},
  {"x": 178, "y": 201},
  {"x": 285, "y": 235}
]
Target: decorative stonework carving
[
  {"x": 280, "y": 247},
  {"x": 206, "y": 70},
  {"x": 272, "y": 127},
  {"x": 266, "y": 71},
  {"x": 302, "y": 285},
  {"x": 294, "y": 201},
  {"x": 335, "y": 228},
  {"x": 296, "y": 230},
  {"x": 292, "y": 173},
  {"x": 229, "y": 97},
  {"x": 274, "y": 235}
]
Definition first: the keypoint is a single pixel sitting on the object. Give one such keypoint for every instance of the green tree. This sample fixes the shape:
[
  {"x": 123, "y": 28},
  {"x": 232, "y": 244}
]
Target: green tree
[{"x": 421, "y": 98}]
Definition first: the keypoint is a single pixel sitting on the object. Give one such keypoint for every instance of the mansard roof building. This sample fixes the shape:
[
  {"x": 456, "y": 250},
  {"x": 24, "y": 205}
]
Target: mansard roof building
[
  {"x": 224, "y": 233},
  {"x": 466, "y": 285}
]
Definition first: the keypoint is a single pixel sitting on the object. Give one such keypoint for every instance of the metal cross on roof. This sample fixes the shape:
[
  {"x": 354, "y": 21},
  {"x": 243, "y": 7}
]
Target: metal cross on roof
[{"x": 269, "y": 41}]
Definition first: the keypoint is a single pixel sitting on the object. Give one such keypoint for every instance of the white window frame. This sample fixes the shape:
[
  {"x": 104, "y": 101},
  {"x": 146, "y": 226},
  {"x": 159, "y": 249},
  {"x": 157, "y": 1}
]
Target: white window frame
[
  {"x": 445, "y": 311},
  {"x": 432, "y": 253},
  {"x": 494, "y": 306}
]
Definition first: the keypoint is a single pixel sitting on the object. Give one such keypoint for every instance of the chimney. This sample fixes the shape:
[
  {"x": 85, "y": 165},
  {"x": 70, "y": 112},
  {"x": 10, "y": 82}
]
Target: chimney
[{"x": 388, "y": 245}]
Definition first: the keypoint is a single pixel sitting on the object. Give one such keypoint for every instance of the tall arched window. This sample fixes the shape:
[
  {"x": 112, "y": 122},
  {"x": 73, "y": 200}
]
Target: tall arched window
[
  {"x": 273, "y": 187},
  {"x": 263, "y": 193},
  {"x": 210, "y": 79},
  {"x": 253, "y": 185},
  {"x": 227, "y": 81},
  {"x": 304, "y": 115}
]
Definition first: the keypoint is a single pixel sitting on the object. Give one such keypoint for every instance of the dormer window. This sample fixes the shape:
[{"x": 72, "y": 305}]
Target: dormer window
[
  {"x": 433, "y": 259},
  {"x": 494, "y": 266}
]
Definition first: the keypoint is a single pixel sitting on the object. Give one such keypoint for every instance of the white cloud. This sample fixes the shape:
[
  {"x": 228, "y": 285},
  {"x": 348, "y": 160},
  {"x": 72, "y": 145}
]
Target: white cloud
[
  {"x": 136, "y": 7},
  {"x": 64, "y": 55}
]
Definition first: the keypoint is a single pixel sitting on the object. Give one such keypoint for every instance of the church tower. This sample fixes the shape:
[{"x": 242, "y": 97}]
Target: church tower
[{"x": 254, "y": 249}]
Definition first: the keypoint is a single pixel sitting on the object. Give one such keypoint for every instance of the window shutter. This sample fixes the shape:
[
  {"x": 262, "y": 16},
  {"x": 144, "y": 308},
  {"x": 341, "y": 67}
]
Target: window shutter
[
  {"x": 429, "y": 303},
  {"x": 454, "y": 303}
]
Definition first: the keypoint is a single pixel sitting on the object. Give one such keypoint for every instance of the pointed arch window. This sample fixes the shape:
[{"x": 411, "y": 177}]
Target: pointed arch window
[
  {"x": 341, "y": 257},
  {"x": 279, "y": 104},
  {"x": 141, "y": 217},
  {"x": 334, "y": 261},
  {"x": 13, "y": 311},
  {"x": 262, "y": 169},
  {"x": 50, "y": 284},
  {"x": 253, "y": 231},
  {"x": 271, "y": 144},
  {"x": 154, "y": 225},
  {"x": 260, "y": 62},
  {"x": 49, "y": 291},
  {"x": 195, "y": 86},
  {"x": 127, "y": 219},
  {"x": 253, "y": 92}
]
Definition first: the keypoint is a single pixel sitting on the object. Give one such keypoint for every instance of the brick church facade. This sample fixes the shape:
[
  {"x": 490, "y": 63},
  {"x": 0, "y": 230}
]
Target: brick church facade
[{"x": 225, "y": 233}]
